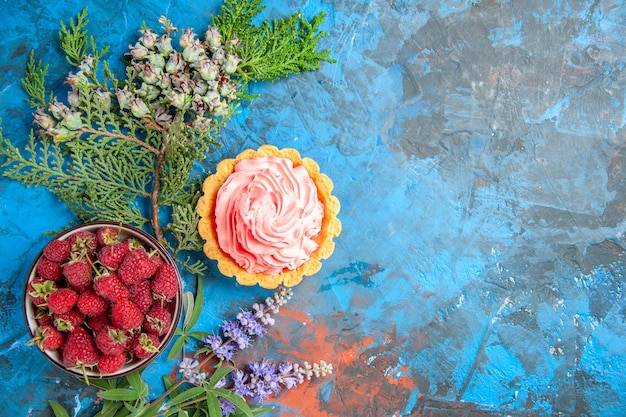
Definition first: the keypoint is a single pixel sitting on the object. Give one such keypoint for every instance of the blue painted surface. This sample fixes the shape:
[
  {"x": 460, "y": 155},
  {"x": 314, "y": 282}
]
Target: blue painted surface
[{"x": 479, "y": 154}]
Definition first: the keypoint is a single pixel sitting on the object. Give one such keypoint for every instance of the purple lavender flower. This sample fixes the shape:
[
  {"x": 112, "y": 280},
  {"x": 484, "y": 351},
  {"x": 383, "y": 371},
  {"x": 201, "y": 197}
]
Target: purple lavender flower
[
  {"x": 249, "y": 323},
  {"x": 227, "y": 407},
  {"x": 240, "y": 386},
  {"x": 234, "y": 331},
  {"x": 224, "y": 351}
]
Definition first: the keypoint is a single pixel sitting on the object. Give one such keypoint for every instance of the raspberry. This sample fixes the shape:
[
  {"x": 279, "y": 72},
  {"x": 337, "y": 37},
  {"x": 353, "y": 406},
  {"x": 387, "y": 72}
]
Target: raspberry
[
  {"x": 48, "y": 269},
  {"x": 83, "y": 242},
  {"x": 62, "y": 300},
  {"x": 91, "y": 304},
  {"x": 141, "y": 295},
  {"x": 109, "y": 286},
  {"x": 111, "y": 341},
  {"x": 80, "y": 349},
  {"x": 67, "y": 322},
  {"x": 111, "y": 256},
  {"x": 78, "y": 273},
  {"x": 108, "y": 364},
  {"x": 145, "y": 345},
  {"x": 157, "y": 321},
  {"x": 57, "y": 250},
  {"x": 135, "y": 267},
  {"x": 107, "y": 235},
  {"x": 155, "y": 261},
  {"x": 47, "y": 338},
  {"x": 126, "y": 315},
  {"x": 44, "y": 317},
  {"x": 97, "y": 323},
  {"x": 165, "y": 283},
  {"x": 39, "y": 289}
]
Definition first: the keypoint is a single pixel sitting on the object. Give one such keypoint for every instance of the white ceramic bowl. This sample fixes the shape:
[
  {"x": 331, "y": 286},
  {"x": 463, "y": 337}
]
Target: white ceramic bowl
[{"x": 174, "y": 306}]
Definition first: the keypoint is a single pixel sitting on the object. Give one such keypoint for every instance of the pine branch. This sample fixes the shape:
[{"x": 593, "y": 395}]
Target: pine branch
[
  {"x": 275, "y": 49},
  {"x": 33, "y": 82}
]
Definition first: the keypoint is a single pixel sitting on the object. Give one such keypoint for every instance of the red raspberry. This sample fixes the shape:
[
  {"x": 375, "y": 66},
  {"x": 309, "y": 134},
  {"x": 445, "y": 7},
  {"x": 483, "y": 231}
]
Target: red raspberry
[
  {"x": 135, "y": 267},
  {"x": 80, "y": 349},
  {"x": 109, "y": 286},
  {"x": 79, "y": 273},
  {"x": 145, "y": 345},
  {"x": 48, "y": 269},
  {"x": 62, "y": 300},
  {"x": 111, "y": 256},
  {"x": 44, "y": 317},
  {"x": 107, "y": 235},
  {"x": 126, "y": 315},
  {"x": 91, "y": 304},
  {"x": 83, "y": 242},
  {"x": 57, "y": 250},
  {"x": 141, "y": 295},
  {"x": 155, "y": 261},
  {"x": 47, "y": 338},
  {"x": 165, "y": 283},
  {"x": 157, "y": 321},
  {"x": 111, "y": 341},
  {"x": 97, "y": 323},
  {"x": 39, "y": 289},
  {"x": 67, "y": 322},
  {"x": 109, "y": 364}
]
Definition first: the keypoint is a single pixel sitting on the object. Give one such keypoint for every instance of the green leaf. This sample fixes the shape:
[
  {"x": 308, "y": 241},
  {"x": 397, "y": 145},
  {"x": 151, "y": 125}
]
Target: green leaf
[
  {"x": 257, "y": 411},
  {"x": 188, "y": 303},
  {"x": 58, "y": 410},
  {"x": 177, "y": 346},
  {"x": 152, "y": 409},
  {"x": 187, "y": 395},
  {"x": 104, "y": 383},
  {"x": 119, "y": 394},
  {"x": 168, "y": 382},
  {"x": 109, "y": 409},
  {"x": 220, "y": 373},
  {"x": 237, "y": 401},
  {"x": 198, "y": 304},
  {"x": 135, "y": 381},
  {"x": 198, "y": 335},
  {"x": 213, "y": 405}
]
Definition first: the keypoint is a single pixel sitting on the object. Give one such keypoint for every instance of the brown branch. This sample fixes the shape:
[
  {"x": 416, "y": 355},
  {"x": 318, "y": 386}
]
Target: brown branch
[
  {"x": 120, "y": 136},
  {"x": 154, "y": 196}
]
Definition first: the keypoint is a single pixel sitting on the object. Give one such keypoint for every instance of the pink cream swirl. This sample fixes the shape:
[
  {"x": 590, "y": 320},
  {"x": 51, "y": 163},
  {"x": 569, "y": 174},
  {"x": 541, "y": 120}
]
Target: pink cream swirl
[{"x": 267, "y": 214}]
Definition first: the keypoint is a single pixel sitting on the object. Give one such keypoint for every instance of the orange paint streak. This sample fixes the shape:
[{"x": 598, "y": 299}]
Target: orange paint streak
[{"x": 366, "y": 380}]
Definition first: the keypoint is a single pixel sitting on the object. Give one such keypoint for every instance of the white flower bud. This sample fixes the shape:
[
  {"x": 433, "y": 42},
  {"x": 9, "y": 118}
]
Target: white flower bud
[
  {"x": 139, "y": 108},
  {"x": 212, "y": 38},
  {"x": 187, "y": 38},
  {"x": 230, "y": 65},
  {"x": 124, "y": 97},
  {"x": 208, "y": 69},
  {"x": 164, "y": 45},
  {"x": 138, "y": 51},
  {"x": 43, "y": 119},
  {"x": 175, "y": 63},
  {"x": 193, "y": 52},
  {"x": 148, "y": 38}
]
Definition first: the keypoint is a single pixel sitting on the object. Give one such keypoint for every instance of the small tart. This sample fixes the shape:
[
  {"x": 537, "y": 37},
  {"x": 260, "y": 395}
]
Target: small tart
[{"x": 330, "y": 228}]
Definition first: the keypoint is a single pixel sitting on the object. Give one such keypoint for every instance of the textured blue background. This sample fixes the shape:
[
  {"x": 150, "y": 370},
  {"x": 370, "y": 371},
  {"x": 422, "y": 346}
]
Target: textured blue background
[{"x": 478, "y": 151}]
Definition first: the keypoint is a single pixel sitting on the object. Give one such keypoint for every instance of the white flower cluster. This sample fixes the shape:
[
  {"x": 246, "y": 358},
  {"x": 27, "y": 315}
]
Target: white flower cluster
[{"x": 306, "y": 371}]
